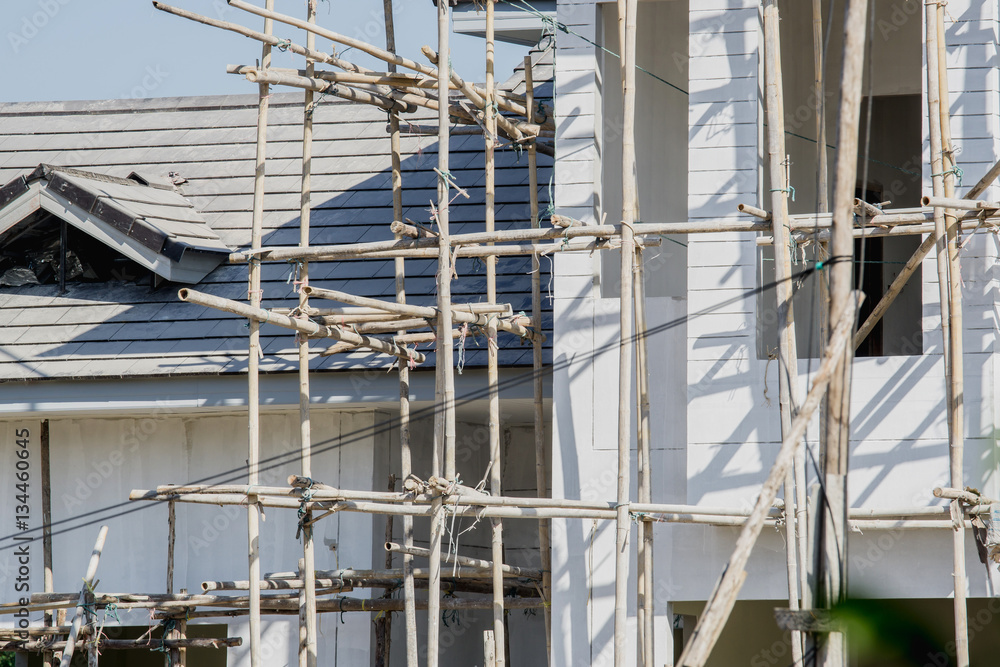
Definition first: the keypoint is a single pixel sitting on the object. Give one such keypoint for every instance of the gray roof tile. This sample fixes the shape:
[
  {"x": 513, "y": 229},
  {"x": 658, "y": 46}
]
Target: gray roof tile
[{"x": 112, "y": 330}]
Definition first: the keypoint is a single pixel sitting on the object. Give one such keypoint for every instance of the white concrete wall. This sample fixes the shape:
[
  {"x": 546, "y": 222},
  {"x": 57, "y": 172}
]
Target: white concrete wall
[{"x": 585, "y": 381}]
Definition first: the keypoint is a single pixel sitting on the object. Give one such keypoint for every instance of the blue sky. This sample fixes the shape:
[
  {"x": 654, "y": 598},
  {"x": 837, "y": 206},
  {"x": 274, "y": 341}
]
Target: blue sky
[{"x": 109, "y": 49}]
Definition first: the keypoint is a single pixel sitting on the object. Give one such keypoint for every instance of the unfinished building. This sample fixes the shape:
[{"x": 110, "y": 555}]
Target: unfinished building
[{"x": 619, "y": 457}]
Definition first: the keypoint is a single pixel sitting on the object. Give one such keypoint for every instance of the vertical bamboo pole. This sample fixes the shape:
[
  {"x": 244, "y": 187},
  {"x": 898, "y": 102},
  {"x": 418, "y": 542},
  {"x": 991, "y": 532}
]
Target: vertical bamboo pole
[
  {"x": 937, "y": 181},
  {"x": 644, "y": 579},
  {"x": 253, "y": 359},
  {"x": 308, "y": 652},
  {"x": 822, "y": 194},
  {"x": 489, "y": 648},
  {"x": 46, "y": 472},
  {"x": 833, "y": 564},
  {"x": 406, "y": 462},
  {"x": 787, "y": 352},
  {"x": 630, "y": 211},
  {"x": 383, "y": 622},
  {"x": 801, "y": 477},
  {"x": 444, "y": 431},
  {"x": 957, "y": 380},
  {"x": 541, "y": 474},
  {"x": 171, "y": 538},
  {"x": 492, "y": 370}
]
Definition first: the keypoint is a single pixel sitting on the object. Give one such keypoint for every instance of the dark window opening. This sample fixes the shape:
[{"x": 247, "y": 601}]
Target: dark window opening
[{"x": 44, "y": 250}]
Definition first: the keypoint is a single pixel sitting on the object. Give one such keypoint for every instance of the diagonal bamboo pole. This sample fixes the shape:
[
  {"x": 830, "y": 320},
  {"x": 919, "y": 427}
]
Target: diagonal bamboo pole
[
  {"x": 88, "y": 582},
  {"x": 723, "y": 597}
]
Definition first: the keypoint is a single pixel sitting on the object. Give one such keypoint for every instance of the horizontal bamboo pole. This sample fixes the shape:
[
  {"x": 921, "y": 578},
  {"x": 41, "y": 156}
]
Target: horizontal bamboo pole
[
  {"x": 507, "y": 325},
  {"x": 301, "y": 325},
  {"x": 967, "y": 224},
  {"x": 465, "y": 560},
  {"x": 958, "y": 204},
  {"x": 963, "y": 495},
  {"x": 347, "y": 605},
  {"x": 400, "y": 79},
  {"x": 273, "y": 584},
  {"x": 322, "y": 492},
  {"x": 105, "y": 644},
  {"x": 754, "y": 211},
  {"x": 313, "y": 253},
  {"x": 352, "y": 575},
  {"x": 508, "y": 250},
  {"x": 412, "y": 231},
  {"x": 431, "y": 130},
  {"x": 41, "y": 631}
]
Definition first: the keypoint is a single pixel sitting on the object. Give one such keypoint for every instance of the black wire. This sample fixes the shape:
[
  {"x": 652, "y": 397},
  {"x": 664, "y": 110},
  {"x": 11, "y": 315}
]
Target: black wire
[{"x": 278, "y": 460}]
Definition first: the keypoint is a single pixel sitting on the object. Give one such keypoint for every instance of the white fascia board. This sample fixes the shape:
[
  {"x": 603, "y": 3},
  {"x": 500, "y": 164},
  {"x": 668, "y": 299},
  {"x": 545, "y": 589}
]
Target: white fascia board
[
  {"x": 228, "y": 393},
  {"x": 511, "y": 24},
  {"x": 19, "y": 209}
]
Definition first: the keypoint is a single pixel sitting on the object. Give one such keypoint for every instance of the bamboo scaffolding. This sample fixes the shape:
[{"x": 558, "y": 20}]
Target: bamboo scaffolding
[
  {"x": 723, "y": 596},
  {"x": 442, "y": 495},
  {"x": 787, "y": 353},
  {"x": 956, "y": 409},
  {"x": 507, "y": 103},
  {"x": 915, "y": 261},
  {"x": 510, "y": 326},
  {"x": 258, "y": 315}
]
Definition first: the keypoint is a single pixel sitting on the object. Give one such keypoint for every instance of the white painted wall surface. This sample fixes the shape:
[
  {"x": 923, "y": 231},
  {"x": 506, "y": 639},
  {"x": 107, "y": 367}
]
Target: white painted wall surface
[{"x": 96, "y": 462}]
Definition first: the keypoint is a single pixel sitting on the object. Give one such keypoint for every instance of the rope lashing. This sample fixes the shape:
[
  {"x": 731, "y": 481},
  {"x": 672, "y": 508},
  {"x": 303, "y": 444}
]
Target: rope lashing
[
  {"x": 307, "y": 495},
  {"x": 790, "y": 191},
  {"x": 283, "y": 44},
  {"x": 541, "y": 110},
  {"x": 958, "y": 171}
]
